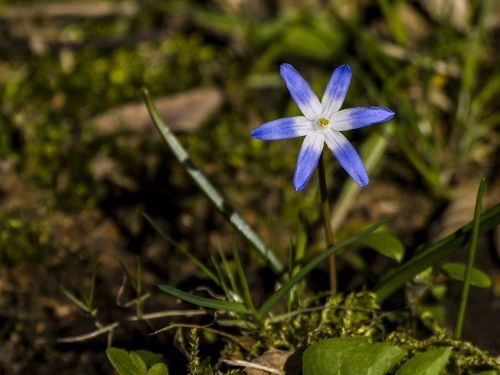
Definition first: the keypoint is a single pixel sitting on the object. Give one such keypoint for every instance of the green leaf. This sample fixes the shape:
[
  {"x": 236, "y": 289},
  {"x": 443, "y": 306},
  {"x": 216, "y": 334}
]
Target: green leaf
[
  {"x": 209, "y": 190},
  {"x": 136, "y": 362},
  {"x": 354, "y": 355},
  {"x": 276, "y": 296},
  {"x": 431, "y": 362},
  {"x": 456, "y": 271},
  {"x": 487, "y": 372},
  {"x": 148, "y": 357},
  {"x": 434, "y": 253},
  {"x": 158, "y": 369},
  {"x": 139, "y": 364},
  {"x": 123, "y": 362},
  {"x": 384, "y": 243},
  {"x": 205, "y": 302}
]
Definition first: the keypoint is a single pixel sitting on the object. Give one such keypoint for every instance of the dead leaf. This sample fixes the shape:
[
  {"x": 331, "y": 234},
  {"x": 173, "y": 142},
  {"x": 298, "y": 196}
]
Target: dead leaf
[
  {"x": 181, "y": 112},
  {"x": 461, "y": 210},
  {"x": 272, "y": 358},
  {"x": 457, "y": 12}
]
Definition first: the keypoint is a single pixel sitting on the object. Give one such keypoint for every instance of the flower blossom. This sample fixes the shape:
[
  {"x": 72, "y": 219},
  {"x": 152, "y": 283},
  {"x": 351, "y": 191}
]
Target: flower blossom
[{"x": 322, "y": 123}]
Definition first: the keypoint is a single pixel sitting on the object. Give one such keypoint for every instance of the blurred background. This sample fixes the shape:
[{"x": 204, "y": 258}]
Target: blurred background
[{"x": 80, "y": 160}]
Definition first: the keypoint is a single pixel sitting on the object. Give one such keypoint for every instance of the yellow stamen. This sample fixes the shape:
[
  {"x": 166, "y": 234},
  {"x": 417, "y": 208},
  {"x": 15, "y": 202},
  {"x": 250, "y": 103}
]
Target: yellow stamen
[{"x": 323, "y": 121}]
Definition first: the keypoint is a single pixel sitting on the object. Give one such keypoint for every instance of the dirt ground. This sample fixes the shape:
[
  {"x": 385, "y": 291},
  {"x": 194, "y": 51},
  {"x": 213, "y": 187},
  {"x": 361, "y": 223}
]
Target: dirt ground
[{"x": 36, "y": 314}]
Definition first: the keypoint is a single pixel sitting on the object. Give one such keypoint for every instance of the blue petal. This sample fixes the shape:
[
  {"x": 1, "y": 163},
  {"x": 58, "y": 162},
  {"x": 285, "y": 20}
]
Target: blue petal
[
  {"x": 301, "y": 92},
  {"x": 289, "y": 127},
  {"x": 336, "y": 90},
  {"x": 353, "y": 118},
  {"x": 308, "y": 159},
  {"x": 347, "y": 156}
]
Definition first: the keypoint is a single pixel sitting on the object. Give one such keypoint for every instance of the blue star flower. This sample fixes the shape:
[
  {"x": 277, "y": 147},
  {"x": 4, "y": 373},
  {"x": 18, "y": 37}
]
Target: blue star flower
[{"x": 322, "y": 123}]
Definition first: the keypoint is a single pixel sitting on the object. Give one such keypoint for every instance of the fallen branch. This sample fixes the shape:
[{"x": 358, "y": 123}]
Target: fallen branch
[
  {"x": 256, "y": 366},
  {"x": 133, "y": 318}
]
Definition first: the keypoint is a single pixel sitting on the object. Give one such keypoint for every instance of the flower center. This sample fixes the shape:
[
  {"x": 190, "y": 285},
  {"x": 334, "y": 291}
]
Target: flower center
[{"x": 323, "y": 122}]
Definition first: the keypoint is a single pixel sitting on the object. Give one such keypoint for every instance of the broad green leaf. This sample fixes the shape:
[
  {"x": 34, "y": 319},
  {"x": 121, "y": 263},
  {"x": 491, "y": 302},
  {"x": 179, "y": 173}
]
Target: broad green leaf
[
  {"x": 209, "y": 190},
  {"x": 354, "y": 355},
  {"x": 148, "y": 357},
  {"x": 488, "y": 372},
  {"x": 205, "y": 302},
  {"x": 121, "y": 361},
  {"x": 384, "y": 243},
  {"x": 158, "y": 369},
  {"x": 431, "y": 362},
  {"x": 456, "y": 271},
  {"x": 139, "y": 364},
  {"x": 276, "y": 296},
  {"x": 434, "y": 253}
]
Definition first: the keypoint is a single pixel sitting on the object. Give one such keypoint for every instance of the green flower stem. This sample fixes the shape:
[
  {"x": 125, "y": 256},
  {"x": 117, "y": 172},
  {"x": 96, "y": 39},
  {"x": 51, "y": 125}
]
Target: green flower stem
[
  {"x": 325, "y": 210},
  {"x": 471, "y": 255}
]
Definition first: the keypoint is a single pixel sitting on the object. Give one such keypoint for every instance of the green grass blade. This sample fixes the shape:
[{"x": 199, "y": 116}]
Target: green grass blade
[
  {"x": 209, "y": 190},
  {"x": 247, "y": 296},
  {"x": 209, "y": 303},
  {"x": 230, "y": 295},
  {"x": 434, "y": 253},
  {"x": 394, "y": 21},
  {"x": 471, "y": 255},
  {"x": 471, "y": 57},
  {"x": 91, "y": 294},
  {"x": 185, "y": 252},
  {"x": 430, "y": 174},
  {"x": 295, "y": 259},
  {"x": 139, "y": 276},
  {"x": 129, "y": 276},
  {"x": 75, "y": 300},
  {"x": 229, "y": 272},
  {"x": 336, "y": 249}
]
